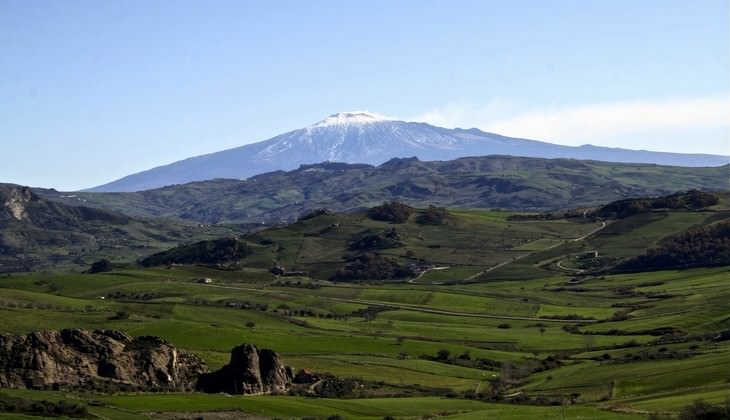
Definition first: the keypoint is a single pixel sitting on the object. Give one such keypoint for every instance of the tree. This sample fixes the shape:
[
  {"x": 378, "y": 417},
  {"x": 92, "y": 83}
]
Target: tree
[
  {"x": 101, "y": 266},
  {"x": 392, "y": 211},
  {"x": 433, "y": 216},
  {"x": 702, "y": 410},
  {"x": 443, "y": 354}
]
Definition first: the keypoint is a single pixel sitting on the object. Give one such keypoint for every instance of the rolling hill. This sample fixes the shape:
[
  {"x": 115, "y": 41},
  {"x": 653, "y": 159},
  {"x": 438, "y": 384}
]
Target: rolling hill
[
  {"x": 395, "y": 241},
  {"x": 363, "y": 138},
  {"x": 456, "y": 335},
  {"x": 513, "y": 183},
  {"x": 36, "y": 233}
]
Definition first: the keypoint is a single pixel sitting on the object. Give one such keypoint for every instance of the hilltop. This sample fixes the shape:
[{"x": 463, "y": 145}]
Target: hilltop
[
  {"x": 512, "y": 183},
  {"x": 37, "y": 233},
  {"x": 394, "y": 241}
]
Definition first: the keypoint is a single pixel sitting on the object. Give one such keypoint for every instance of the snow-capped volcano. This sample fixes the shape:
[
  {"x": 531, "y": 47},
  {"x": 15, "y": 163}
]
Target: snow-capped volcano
[
  {"x": 349, "y": 118},
  {"x": 363, "y": 137}
]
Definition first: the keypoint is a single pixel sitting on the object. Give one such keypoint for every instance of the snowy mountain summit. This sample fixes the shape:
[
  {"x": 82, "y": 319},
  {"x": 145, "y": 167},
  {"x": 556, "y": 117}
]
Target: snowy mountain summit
[
  {"x": 349, "y": 118},
  {"x": 364, "y": 137}
]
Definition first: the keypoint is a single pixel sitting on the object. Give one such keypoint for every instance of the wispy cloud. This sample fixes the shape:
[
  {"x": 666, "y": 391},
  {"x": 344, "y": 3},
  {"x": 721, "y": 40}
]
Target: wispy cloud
[
  {"x": 465, "y": 115},
  {"x": 597, "y": 123}
]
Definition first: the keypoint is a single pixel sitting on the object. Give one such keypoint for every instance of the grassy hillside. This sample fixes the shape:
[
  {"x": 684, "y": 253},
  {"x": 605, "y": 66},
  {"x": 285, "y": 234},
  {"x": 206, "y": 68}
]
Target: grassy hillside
[
  {"x": 500, "y": 325},
  {"x": 435, "y": 245},
  {"x": 481, "y": 182},
  {"x": 37, "y": 234},
  {"x": 623, "y": 239},
  {"x": 657, "y": 347},
  {"x": 464, "y": 243}
]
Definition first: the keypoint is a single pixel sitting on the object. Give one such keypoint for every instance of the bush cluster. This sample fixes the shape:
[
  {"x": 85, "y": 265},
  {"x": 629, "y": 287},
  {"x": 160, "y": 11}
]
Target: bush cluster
[
  {"x": 370, "y": 266},
  {"x": 692, "y": 200},
  {"x": 703, "y": 246},
  {"x": 368, "y": 241},
  {"x": 204, "y": 252},
  {"x": 18, "y": 405},
  {"x": 433, "y": 216},
  {"x": 391, "y": 211}
]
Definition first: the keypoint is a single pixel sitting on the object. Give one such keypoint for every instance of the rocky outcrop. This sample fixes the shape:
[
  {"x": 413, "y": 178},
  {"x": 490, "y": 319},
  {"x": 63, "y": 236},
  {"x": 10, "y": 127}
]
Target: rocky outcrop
[
  {"x": 75, "y": 358},
  {"x": 17, "y": 199},
  {"x": 250, "y": 371}
]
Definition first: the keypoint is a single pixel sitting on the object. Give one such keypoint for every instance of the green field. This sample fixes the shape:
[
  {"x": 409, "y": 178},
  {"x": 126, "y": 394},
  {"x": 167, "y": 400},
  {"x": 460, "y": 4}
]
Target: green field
[{"x": 610, "y": 346}]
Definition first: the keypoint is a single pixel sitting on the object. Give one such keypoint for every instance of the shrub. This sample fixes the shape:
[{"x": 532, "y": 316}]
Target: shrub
[
  {"x": 366, "y": 241},
  {"x": 20, "y": 405},
  {"x": 100, "y": 266},
  {"x": 315, "y": 213},
  {"x": 702, "y": 410},
  {"x": 371, "y": 266},
  {"x": 433, "y": 216},
  {"x": 204, "y": 252},
  {"x": 120, "y": 315},
  {"x": 392, "y": 211}
]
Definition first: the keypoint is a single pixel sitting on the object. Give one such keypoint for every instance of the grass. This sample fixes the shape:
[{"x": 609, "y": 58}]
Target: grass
[
  {"x": 515, "y": 318},
  {"x": 674, "y": 401},
  {"x": 371, "y": 408}
]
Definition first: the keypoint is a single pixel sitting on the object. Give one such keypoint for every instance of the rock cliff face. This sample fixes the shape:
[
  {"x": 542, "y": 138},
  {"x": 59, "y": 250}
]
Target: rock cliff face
[
  {"x": 74, "y": 358},
  {"x": 250, "y": 371},
  {"x": 16, "y": 201}
]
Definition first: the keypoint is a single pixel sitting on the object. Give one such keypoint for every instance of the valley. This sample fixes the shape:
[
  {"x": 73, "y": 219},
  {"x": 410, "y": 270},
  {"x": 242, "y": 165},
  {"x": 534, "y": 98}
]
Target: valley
[
  {"x": 373, "y": 210},
  {"x": 489, "y": 319}
]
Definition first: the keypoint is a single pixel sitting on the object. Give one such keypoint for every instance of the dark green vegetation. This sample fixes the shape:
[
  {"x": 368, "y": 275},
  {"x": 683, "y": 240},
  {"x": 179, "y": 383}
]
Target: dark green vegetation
[
  {"x": 498, "y": 318},
  {"x": 391, "y": 242},
  {"x": 697, "y": 247},
  {"x": 514, "y": 183},
  {"x": 36, "y": 233},
  {"x": 629, "y": 243},
  {"x": 20, "y": 406},
  {"x": 689, "y": 200},
  {"x": 216, "y": 251}
]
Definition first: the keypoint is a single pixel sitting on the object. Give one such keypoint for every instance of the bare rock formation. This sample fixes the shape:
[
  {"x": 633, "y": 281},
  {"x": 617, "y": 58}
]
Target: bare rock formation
[
  {"x": 75, "y": 358},
  {"x": 250, "y": 371}
]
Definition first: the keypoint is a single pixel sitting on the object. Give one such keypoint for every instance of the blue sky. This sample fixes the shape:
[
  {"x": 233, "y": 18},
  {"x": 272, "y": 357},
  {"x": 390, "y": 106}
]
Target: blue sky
[{"x": 91, "y": 91}]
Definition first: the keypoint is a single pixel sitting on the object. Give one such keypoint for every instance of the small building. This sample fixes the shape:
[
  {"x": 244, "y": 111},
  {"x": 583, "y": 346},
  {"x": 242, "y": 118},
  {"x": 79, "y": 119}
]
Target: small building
[{"x": 205, "y": 280}]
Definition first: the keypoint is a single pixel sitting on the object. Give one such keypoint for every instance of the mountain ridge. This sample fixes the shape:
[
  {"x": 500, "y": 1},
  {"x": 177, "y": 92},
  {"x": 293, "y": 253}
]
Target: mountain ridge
[
  {"x": 363, "y": 138},
  {"x": 37, "y": 233},
  {"x": 513, "y": 183}
]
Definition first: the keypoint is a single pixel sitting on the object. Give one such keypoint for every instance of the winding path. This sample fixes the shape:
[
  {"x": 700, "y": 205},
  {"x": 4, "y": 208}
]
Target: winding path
[{"x": 578, "y": 239}]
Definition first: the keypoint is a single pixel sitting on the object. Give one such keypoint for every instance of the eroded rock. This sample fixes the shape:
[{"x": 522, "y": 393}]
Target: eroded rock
[
  {"x": 75, "y": 358},
  {"x": 250, "y": 371}
]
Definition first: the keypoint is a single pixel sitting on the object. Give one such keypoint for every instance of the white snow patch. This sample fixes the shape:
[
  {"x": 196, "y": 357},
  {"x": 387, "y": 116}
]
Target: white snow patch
[{"x": 350, "y": 118}]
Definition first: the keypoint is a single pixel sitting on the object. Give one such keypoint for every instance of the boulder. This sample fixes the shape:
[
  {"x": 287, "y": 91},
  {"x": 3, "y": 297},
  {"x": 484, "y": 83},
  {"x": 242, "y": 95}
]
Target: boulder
[{"x": 250, "y": 371}]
